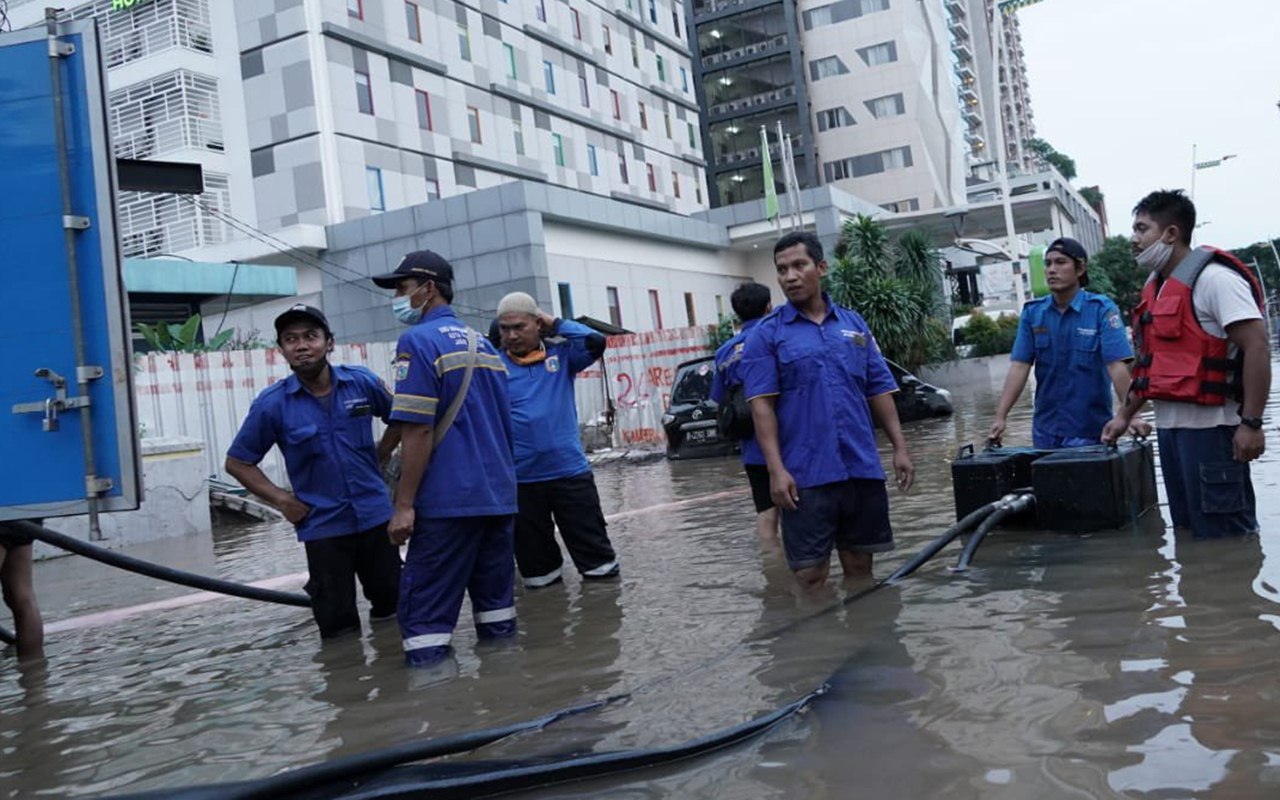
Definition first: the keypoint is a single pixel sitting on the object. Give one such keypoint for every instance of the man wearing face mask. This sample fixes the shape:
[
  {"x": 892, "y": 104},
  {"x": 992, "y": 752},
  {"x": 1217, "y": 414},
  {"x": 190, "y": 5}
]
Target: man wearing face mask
[
  {"x": 1204, "y": 361},
  {"x": 542, "y": 355},
  {"x": 321, "y": 418},
  {"x": 456, "y": 500}
]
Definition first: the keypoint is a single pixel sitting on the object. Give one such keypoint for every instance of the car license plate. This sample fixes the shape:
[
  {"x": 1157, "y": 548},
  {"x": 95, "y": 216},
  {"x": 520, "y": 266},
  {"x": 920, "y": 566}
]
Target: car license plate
[{"x": 701, "y": 435}]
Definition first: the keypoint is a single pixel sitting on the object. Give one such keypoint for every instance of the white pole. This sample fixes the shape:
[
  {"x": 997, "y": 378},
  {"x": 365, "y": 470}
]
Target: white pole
[
  {"x": 794, "y": 178},
  {"x": 1193, "y": 173},
  {"x": 1002, "y": 154}
]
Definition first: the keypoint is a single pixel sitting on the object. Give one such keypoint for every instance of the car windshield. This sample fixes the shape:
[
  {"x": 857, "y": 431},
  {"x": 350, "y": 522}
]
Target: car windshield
[{"x": 693, "y": 382}]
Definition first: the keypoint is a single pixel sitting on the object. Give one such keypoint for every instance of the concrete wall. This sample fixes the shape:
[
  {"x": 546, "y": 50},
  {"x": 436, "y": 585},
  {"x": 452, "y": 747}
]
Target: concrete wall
[{"x": 176, "y": 500}]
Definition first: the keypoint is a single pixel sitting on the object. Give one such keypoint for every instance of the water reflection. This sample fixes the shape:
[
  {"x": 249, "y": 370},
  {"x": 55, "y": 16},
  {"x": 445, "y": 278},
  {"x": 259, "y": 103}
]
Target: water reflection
[{"x": 1115, "y": 664}]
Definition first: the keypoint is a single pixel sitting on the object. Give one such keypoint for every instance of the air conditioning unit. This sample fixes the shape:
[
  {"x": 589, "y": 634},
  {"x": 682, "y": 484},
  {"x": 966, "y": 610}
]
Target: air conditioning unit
[
  {"x": 731, "y": 106},
  {"x": 787, "y": 92},
  {"x": 757, "y": 100},
  {"x": 749, "y": 49},
  {"x": 754, "y": 152}
]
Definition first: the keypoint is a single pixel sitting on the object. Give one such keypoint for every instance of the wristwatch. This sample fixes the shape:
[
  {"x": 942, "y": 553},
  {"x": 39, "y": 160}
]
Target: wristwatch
[{"x": 1252, "y": 422}]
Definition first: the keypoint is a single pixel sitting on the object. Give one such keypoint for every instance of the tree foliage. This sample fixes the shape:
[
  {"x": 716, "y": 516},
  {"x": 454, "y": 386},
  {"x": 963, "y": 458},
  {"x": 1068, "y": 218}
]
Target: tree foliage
[
  {"x": 1093, "y": 196},
  {"x": 990, "y": 337},
  {"x": 897, "y": 289},
  {"x": 1262, "y": 253},
  {"x": 182, "y": 338},
  {"x": 1064, "y": 163}
]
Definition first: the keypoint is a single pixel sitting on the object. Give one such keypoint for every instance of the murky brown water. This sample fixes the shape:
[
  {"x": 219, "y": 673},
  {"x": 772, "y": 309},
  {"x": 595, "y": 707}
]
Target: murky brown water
[{"x": 1120, "y": 664}]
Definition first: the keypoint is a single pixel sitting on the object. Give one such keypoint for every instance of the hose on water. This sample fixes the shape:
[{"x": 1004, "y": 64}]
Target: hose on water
[
  {"x": 181, "y": 577},
  {"x": 442, "y": 781},
  {"x": 1005, "y": 508}
]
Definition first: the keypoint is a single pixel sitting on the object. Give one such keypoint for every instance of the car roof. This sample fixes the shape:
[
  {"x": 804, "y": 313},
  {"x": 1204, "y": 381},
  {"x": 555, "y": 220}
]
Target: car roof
[{"x": 692, "y": 361}]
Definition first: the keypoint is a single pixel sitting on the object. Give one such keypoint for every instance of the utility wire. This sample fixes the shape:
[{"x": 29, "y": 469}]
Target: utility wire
[{"x": 306, "y": 259}]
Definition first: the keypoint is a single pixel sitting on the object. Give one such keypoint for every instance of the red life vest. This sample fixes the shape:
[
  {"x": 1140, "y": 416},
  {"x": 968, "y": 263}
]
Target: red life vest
[{"x": 1177, "y": 359}]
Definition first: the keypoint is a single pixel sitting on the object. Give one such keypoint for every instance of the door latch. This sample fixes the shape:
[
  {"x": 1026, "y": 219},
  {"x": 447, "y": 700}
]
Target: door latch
[{"x": 50, "y": 407}]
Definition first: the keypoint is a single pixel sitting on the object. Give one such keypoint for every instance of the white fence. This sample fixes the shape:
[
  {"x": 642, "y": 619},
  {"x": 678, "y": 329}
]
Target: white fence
[{"x": 207, "y": 396}]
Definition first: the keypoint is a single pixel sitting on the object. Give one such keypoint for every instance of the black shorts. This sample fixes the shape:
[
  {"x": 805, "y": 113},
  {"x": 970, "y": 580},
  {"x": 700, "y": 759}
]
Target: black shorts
[
  {"x": 11, "y": 538},
  {"x": 758, "y": 477},
  {"x": 853, "y": 515}
]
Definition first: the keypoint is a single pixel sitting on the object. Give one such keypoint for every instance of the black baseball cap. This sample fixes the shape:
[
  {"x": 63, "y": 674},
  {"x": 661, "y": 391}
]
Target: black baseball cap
[
  {"x": 1071, "y": 249},
  {"x": 1068, "y": 247},
  {"x": 424, "y": 264},
  {"x": 302, "y": 312}
]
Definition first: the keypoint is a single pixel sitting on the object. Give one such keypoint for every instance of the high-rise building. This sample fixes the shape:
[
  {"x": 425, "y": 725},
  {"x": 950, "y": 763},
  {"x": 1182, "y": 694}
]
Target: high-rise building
[
  {"x": 307, "y": 113},
  {"x": 886, "y": 99}
]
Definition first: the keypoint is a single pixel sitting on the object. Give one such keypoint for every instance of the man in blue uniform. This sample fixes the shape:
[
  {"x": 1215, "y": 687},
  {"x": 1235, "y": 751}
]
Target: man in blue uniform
[
  {"x": 750, "y": 302},
  {"x": 542, "y": 355},
  {"x": 456, "y": 500},
  {"x": 1077, "y": 342},
  {"x": 816, "y": 381},
  {"x": 321, "y": 418}
]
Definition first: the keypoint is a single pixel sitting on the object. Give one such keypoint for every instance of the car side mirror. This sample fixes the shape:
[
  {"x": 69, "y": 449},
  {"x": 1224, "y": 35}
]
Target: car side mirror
[{"x": 911, "y": 382}]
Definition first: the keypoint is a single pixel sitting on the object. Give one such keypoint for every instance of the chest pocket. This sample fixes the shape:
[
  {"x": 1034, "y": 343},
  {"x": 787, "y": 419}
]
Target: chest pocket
[
  {"x": 853, "y": 359},
  {"x": 358, "y": 422},
  {"x": 1085, "y": 350},
  {"x": 797, "y": 368},
  {"x": 1166, "y": 317},
  {"x": 304, "y": 440}
]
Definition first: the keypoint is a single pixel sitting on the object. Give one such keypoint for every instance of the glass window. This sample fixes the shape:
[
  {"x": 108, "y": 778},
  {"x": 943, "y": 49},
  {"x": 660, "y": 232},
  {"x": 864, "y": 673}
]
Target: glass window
[
  {"x": 608, "y": 40},
  {"x": 584, "y": 91},
  {"x": 424, "y": 109},
  {"x": 622, "y": 168},
  {"x": 373, "y": 179},
  {"x": 549, "y": 77},
  {"x": 675, "y": 188},
  {"x": 684, "y": 80},
  {"x": 655, "y": 310},
  {"x": 413, "y": 21},
  {"x": 577, "y": 23},
  {"x": 662, "y": 68},
  {"x": 433, "y": 189},
  {"x": 617, "y": 104},
  {"x": 891, "y": 105},
  {"x": 826, "y": 67},
  {"x": 473, "y": 122},
  {"x": 566, "y": 300},
  {"x": 557, "y": 147},
  {"x": 693, "y": 139},
  {"x": 653, "y": 11},
  {"x": 464, "y": 43},
  {"x": 541, "y": 9},
  {"x": 644, "y": 118},
  {"x": 666, "y": 120},
  {"x": 518, "y": 134},
  {"x": 653, "y": 177},
  {"x": 838, "y": 117},
  {"x": 364, "y": 93},
  {"x": 355, "y": 8},
  {"x": 690, "y": 313},
  {"x": 591, "y": 160},
  {"x": 510, "y": 53},
  {"x": 615, "y": 306},
  {"x": 875, "y": 55}
]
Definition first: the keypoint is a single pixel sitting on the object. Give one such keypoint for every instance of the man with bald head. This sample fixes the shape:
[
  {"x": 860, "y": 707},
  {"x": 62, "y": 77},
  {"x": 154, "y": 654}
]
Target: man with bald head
[{"x": 554, "y": 481}]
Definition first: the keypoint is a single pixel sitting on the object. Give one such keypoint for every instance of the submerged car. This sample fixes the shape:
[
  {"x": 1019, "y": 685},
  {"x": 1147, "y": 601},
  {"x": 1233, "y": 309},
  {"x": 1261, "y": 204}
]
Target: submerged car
[{"x": 690, "y": 421}]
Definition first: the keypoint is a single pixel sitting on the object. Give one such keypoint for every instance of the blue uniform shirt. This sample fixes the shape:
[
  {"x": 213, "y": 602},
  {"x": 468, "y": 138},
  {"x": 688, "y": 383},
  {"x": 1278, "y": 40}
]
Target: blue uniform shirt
[
  {"x": 471, "y": 473},
  {"x": 328, "y": 449},
  {"x": 547, "y": 443},
  {"x": 1071, "y": 349},
  {"x": 822, "y": 376},
  {"x": 728, "y": 376}
]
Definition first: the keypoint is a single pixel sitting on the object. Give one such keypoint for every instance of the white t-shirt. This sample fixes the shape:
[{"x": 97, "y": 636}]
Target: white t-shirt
[{"x": 1221, "y": 298}]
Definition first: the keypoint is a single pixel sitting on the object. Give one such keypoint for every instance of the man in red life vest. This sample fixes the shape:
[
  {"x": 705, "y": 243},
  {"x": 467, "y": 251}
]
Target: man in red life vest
[{"x": 1204, "y": 361}]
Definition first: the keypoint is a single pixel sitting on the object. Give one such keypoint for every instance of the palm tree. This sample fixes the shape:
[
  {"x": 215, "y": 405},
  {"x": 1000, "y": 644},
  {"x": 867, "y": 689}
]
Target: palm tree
[{"x": 897, "y": 290}]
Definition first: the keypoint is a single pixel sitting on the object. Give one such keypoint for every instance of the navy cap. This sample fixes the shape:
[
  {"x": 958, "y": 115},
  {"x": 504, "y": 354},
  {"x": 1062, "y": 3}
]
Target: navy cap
[
  {"x": 423, "y": 264},
  {"x": 1068, "y": 247},
  {"x": 302, "y": 312},
  {"x": 1071, "y": 249}
]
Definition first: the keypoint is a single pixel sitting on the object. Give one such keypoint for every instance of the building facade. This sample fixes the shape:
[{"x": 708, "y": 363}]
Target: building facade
[{"x": 889, "y": 100}]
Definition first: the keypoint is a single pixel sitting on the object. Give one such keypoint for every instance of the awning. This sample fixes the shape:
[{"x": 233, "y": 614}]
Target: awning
[{"x": 202, "y": 279}]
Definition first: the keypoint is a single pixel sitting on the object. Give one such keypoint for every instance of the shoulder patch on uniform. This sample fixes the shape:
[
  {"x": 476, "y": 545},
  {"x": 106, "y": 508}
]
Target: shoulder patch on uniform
[
  {"x": 401, "y": 369},
  {"x": 1113, "y": 319},
  {"x": 552, "y": 363}
]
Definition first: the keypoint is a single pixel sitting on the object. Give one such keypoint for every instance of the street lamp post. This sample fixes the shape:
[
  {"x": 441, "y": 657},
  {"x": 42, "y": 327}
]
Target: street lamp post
[
  {"x": 1196, "y": 166},
  {"x": 998, "y": 11}
]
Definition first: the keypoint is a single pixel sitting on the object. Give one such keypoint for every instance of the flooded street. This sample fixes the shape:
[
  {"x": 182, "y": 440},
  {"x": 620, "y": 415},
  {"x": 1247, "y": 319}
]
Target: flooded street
[{"x": 1120, "y": 664}]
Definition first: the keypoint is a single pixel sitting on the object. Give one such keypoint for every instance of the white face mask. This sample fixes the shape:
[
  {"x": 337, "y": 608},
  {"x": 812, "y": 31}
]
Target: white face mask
[
  {"x": 403, "y": 308},
  {"x": 1156, "y": 256}
]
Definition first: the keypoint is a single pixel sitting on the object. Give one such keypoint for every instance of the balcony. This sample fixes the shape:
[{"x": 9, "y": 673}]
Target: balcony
[
  {"x": 752, "y": 102},
  {"x": 171, "y": 112},
  {"x": 968, "y": 95},
  {"x": 962, "y": 50},
  {"x": 956, "y": 7},
  {"x": 751, "y": 155},
  {"x": 763, "y": 47},
  {"x": 149, "y": 29},
  {"x": 971, "y": 114},
  {"x": 959, "y": 28}
]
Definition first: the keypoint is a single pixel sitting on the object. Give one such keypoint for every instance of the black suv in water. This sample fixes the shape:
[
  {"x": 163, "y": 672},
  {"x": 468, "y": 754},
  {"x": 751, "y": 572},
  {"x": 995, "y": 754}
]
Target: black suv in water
[{"x": 690, "y": 421}]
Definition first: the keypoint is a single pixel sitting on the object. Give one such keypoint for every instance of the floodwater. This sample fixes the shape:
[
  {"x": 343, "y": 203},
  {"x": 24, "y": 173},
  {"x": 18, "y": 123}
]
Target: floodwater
[{"x": 1120, "y": 664}]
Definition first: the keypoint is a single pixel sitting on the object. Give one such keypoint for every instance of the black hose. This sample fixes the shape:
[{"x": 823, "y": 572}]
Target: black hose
[
  {"x": 114, "y": 559},
  {"x": 1002, "y": 513},
  {"x": 357, "y": 767},
  {"x": 930, "y": 550}
]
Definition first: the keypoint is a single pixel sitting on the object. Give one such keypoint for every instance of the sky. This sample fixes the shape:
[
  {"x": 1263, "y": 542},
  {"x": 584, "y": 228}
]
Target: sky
[{"x": 1126, "y": 87}]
